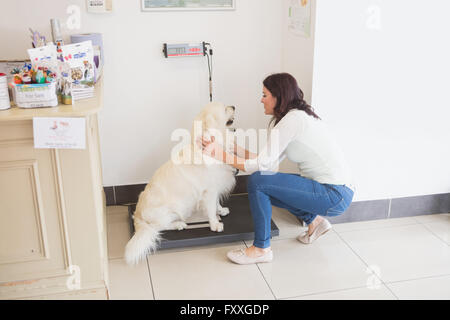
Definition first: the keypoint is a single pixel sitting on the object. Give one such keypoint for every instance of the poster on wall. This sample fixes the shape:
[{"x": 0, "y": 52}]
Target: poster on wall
[
  {"x": 171, "y": 5},
  {"x": 299, "y": 19}
]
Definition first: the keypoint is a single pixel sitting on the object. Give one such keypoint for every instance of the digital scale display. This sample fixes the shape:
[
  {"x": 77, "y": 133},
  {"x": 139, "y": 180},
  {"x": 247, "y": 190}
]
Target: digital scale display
[
  {"x": 184, "y": 50},
  {"x": 176, "y": 51}
]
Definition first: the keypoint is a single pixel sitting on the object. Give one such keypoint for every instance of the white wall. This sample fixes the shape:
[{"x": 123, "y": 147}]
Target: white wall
[
  {"x": 298, "y": 56},
  {"x": 298, "y": 52},
  {"x": 146, "y": 96},
  {"x": 384, "y": 91}
]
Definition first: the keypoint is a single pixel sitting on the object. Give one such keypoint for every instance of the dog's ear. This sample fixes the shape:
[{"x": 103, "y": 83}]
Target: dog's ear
[
  {"x": 209, "y": 129},
  {"x": 207, "y": 123},
  {"x": 210, "y": 122}
]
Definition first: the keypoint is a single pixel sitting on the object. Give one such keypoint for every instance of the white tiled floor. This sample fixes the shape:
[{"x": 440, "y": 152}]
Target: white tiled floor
[{"x": 402, "y": 258}]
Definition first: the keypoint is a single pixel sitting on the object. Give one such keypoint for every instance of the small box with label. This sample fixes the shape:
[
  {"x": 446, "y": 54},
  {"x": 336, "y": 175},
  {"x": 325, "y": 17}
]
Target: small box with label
[{"x": 35, "y": 95}]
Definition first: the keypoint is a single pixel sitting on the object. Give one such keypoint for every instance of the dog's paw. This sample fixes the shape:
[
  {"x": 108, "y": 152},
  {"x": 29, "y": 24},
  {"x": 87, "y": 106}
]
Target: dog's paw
[
  {"x": 223, "y": 211},
  {"x": 216, "y": 226},
  {"x": 178, "y": 225}
]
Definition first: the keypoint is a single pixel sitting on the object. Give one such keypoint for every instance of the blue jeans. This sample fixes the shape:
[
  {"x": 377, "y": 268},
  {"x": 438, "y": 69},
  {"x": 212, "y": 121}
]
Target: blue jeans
[{"x": 304, "y": 198}]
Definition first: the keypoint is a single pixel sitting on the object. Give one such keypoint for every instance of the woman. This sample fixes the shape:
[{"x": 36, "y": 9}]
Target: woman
[{"x": 323, "y": 187}]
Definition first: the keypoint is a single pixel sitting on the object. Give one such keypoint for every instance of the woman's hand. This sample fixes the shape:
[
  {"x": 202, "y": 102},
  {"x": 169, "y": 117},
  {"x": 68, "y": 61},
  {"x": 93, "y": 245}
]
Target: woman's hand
[
  {"x": 211, "y": 148},
  {"x": 215, "y": 150}
]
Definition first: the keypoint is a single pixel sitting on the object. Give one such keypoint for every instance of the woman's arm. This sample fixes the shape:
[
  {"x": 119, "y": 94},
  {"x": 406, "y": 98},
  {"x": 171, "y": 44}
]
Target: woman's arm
[
  {"x": 216, "y": 151},
  {"x": 272, "y": 154},
  {"x": 232, "y": 159},
  {"x": 243, "y": 153}
]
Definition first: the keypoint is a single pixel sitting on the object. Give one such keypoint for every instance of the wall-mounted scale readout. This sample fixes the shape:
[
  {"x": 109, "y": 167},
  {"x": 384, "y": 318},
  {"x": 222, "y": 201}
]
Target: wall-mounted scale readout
[
  {"x": 196, "y": 49},
  {"x": 184, "y": 50}
]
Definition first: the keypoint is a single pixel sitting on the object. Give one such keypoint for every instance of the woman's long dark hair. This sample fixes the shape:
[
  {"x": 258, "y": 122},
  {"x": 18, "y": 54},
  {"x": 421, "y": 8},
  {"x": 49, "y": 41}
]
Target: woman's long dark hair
[{"x": 289, "y": 96}]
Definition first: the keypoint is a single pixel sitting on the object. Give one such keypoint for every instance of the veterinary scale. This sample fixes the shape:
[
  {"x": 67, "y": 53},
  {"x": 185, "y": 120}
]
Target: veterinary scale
[{"x": 198, "y": 49}]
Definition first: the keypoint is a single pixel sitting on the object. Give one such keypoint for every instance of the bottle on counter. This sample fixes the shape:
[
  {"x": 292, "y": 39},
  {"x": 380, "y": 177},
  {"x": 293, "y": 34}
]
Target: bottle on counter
[{"x": 4, "y": 94}]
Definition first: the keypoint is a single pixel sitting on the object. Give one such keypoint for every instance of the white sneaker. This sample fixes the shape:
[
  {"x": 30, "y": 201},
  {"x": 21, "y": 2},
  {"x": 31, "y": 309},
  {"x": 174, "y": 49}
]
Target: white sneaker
[
  {"x": 239, "y": 257},
  {"x": 321, "y": 229}
]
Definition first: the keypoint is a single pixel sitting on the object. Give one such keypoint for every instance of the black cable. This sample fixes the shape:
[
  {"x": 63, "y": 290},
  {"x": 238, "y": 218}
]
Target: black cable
[
  {"x": 209, "y": 67},
  {"x": 211, "y": 55},
  {"x": 210, "y": 78}
]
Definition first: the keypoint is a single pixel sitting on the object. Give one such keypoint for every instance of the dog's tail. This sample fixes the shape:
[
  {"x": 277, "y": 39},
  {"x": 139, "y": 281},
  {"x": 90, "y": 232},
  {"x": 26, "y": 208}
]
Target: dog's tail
[{"x": 144, "y": 241}]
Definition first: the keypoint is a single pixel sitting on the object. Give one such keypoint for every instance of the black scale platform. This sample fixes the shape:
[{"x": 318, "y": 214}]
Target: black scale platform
[{"x": 238, "y": 225}]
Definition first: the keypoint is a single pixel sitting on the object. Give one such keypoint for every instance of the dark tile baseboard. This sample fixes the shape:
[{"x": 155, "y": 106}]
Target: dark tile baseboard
[
  {"x": 129, "y": 194},
  {"x": 420, "y": 205},
  {"x": 358, "y": 210},
  {"x": 363, "y": 211}
]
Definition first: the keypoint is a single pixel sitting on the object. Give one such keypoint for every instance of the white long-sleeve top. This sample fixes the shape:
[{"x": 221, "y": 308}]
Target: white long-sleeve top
[{"x": 306, "y": 141}]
